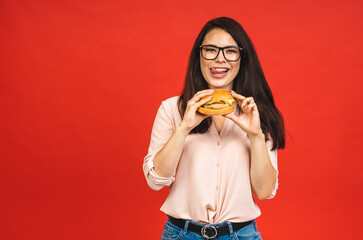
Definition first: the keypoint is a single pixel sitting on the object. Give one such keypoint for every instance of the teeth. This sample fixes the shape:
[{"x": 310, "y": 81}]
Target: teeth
[{"x": 221, "y": 69}]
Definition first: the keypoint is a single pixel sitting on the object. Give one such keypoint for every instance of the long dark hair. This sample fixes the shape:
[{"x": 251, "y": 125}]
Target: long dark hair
[{"x": 250, "y": 81}]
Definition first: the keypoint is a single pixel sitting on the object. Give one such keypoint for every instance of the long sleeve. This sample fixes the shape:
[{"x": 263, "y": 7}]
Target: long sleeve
[
  {"x": 163, "y": 128},
  {"x": 212, "y": 181}
]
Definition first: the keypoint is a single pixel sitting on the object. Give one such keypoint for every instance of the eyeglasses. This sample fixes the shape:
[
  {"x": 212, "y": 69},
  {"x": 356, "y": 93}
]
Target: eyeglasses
[{"x": 230, "y": 53}]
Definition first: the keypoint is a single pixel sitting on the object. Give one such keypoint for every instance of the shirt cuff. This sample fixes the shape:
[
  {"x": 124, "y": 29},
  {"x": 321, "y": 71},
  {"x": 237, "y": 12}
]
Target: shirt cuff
[{"x": 155, "y": 181}]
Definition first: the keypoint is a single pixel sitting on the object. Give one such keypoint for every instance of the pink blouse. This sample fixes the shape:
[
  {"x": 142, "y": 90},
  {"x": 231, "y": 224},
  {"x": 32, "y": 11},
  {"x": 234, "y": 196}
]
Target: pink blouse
[{"x": 212, "y": 181}]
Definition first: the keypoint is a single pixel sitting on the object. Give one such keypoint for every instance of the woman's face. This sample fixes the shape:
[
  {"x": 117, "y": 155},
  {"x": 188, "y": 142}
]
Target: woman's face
[{"x": 219, "y": 73}]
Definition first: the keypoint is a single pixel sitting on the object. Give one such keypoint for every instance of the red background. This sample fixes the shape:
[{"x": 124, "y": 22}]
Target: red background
[{"x": 80, "y": 84}]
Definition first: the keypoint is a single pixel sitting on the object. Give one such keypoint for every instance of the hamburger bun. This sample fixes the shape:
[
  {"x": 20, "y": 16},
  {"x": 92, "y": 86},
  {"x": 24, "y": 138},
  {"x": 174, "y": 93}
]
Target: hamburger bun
[{"x": 222, "y": 103}]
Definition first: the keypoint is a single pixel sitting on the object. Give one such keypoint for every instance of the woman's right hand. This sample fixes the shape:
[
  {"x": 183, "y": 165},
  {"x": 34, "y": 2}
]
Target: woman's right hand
[{"x": 192, "y": 117}]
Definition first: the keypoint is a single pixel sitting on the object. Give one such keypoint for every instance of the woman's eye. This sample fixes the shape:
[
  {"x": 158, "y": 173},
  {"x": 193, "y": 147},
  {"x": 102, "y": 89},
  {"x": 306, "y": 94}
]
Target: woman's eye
[
  {"x": 231, "y": 51},
  {"x": 210, "y": 50}
]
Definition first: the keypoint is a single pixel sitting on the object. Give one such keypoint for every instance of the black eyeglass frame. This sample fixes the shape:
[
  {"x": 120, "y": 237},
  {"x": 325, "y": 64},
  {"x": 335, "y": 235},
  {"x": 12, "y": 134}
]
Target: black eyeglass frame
[{"x": 219, "y": 49}]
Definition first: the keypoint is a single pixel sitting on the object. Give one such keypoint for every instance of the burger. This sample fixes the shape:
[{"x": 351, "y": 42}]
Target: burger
[{"x": 222, "y": 103}]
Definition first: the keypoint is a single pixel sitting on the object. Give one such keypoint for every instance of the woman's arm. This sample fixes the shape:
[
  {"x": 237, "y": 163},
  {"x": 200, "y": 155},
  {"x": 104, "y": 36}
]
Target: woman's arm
[
  {"x": 167, "y": 159},
  {"x": 263, "y": 174}
]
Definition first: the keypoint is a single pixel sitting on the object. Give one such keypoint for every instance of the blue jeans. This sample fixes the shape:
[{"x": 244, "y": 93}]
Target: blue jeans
[{"x": 172, "y": 232}]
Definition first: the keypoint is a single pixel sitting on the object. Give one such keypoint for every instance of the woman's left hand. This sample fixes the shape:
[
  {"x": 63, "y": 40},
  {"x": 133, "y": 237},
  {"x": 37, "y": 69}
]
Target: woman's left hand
[{"x": 249, "y": 119}]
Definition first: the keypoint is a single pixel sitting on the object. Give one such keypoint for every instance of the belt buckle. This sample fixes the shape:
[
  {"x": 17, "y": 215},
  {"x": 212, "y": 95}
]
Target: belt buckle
[{"x": 206, "y": 232}]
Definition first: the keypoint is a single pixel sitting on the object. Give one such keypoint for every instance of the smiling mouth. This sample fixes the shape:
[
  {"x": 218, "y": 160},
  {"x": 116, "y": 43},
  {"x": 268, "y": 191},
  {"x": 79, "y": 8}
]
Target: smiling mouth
[{"x": 219, "y": 72}]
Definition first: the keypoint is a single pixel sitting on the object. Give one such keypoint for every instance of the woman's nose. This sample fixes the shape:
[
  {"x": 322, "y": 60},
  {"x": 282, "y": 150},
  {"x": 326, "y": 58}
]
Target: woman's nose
[{"x": 220, "y": 56}]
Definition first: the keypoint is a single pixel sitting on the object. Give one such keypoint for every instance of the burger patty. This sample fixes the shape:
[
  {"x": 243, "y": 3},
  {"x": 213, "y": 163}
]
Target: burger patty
[{"x": 216, "y": 106}]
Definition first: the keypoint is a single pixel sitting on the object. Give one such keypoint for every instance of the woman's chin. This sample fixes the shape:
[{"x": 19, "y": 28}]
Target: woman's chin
[{"x": 220, "y": 84}]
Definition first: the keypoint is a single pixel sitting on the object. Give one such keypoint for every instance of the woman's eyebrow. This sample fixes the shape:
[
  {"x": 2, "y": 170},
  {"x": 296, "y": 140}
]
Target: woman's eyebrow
[{"x": 212, "y": 45}]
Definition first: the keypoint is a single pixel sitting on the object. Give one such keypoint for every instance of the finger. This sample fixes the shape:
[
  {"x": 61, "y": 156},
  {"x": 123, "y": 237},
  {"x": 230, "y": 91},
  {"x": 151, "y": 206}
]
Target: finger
[
  {"x": 247, "y": 101},
  {"x": 244, "y": 107},
  {"x": 204, "y": 92},
  {"x": 237, "y": 96},
  {"x": 253, "y": 107},
  {"x": 193, "y": 107},
  {"x": 202, "y": 102},
  {"x": 200, "y": 95},
  {"x": 249, "y": 108}
]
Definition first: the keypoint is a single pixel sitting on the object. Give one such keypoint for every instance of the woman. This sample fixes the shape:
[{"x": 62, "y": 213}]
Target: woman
[{"x": 214, "y": 165}]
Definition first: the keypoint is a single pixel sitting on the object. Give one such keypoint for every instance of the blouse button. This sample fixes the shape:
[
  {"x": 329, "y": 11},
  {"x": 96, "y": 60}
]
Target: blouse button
[{"x": 218, "y": 143}]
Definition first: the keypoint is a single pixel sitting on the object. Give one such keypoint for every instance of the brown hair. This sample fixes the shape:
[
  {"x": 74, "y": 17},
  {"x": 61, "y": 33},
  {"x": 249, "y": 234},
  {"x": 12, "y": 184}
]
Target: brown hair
[{"x": 250, "y": 81}]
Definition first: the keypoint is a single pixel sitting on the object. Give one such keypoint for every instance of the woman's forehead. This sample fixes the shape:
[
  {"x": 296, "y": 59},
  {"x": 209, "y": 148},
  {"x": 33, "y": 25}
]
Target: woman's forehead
[{"x": 219, "y": 37}]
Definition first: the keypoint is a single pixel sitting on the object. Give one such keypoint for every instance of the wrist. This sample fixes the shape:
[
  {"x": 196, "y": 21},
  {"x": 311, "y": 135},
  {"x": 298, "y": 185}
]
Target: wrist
[
  {"x": 257, "y": 136},
  {"x": 183, "y": 129}
]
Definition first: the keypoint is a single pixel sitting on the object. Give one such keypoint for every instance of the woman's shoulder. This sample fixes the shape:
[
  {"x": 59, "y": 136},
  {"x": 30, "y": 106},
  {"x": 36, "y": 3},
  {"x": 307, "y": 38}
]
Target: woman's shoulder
[
  {"x": 170, "y": 107},
  {"x": 173, "y": 101}
]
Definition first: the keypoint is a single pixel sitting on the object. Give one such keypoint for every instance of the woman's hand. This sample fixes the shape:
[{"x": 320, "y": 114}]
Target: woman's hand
[
  {"x": 249, "y": 119},
  {"x": 192, "y": 118}
]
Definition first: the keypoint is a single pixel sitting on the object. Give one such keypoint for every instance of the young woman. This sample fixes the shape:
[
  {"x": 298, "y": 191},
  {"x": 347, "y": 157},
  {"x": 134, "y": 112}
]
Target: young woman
[{"x": 215, "y": 164}]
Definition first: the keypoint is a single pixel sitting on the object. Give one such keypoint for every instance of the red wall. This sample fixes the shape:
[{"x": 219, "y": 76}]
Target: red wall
[{"x": 80, "y": 84}]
